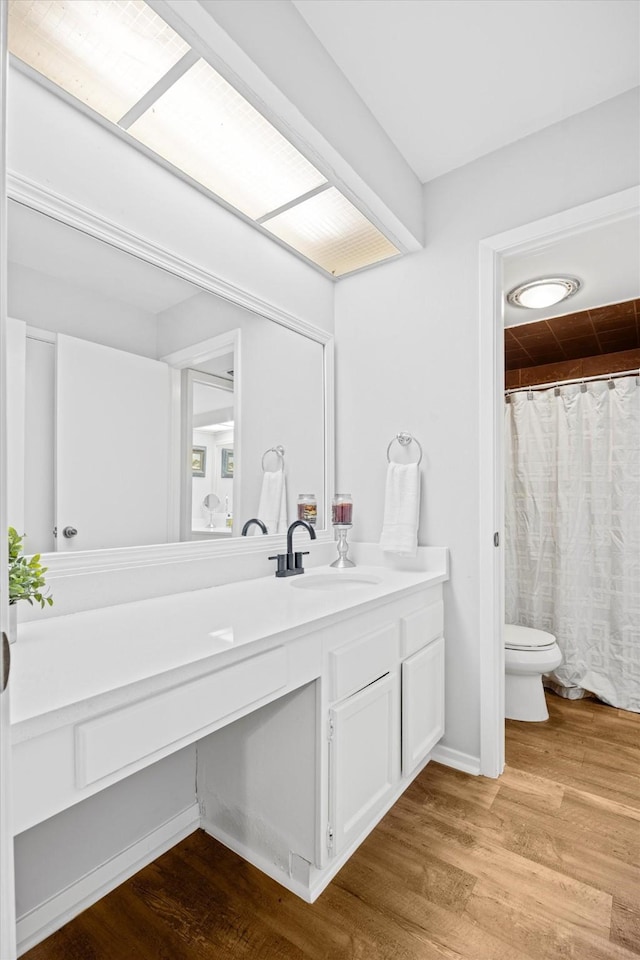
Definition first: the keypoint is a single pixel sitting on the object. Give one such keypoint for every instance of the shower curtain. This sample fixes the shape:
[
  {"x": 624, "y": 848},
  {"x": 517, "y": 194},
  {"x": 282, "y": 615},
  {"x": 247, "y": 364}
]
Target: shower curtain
[{"x": 572, "y": 531}]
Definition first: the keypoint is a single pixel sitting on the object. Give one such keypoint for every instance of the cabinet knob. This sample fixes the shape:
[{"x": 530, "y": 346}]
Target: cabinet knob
[{"x": 69, "y": 532}]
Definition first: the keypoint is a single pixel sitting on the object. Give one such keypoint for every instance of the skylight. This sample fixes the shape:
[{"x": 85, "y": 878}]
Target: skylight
[{"x": 120, "y": 59}]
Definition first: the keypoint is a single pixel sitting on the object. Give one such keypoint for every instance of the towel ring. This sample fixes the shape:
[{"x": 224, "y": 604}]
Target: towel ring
[
  {"x": 279, "y": 451},
  {"x": 404, "y": 439}
]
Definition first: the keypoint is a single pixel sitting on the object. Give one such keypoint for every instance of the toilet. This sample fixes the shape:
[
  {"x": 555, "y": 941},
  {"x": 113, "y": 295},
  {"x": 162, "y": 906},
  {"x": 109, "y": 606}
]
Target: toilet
[{"x": 528, "y": 654}]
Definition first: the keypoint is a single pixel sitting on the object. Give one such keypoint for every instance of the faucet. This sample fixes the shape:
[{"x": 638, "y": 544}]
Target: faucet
[
  {"x": 290, "y": 563},
  {"x": 256, "y": 521}
]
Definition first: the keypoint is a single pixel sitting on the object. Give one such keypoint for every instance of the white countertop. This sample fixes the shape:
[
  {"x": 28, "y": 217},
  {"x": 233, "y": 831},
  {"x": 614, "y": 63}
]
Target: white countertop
[{"x": 61, "y": 663}]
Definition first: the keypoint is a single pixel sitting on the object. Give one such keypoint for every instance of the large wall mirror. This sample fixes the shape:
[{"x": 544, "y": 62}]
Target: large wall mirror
[{"x": 145, "y": 409}]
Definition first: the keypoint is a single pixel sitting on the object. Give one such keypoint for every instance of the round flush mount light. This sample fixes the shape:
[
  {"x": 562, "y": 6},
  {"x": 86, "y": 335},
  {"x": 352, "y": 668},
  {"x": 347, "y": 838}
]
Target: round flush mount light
[{"x": 544, "y": 292}]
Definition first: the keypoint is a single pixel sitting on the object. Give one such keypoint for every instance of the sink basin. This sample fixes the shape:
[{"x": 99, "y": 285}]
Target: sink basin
[{"x": 333, "y": 581}]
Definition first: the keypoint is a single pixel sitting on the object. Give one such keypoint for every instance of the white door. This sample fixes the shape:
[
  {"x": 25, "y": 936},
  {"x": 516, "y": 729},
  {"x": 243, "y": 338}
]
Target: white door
[
  {"x": 363, "y": 759},
  {"x": 422, "y": 703},
  {"x": 7, "y": 902},
  {"x": 112, "y": 447}
]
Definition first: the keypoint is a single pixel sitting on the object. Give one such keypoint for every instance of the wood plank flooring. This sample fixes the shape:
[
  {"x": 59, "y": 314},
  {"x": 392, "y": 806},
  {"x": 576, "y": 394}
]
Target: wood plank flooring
[{"x": 542, "y": 863}]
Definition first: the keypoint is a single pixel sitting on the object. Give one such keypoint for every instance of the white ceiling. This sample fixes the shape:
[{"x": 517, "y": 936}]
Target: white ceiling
[
  {"x": 445, "y": 80},
  {"x": 452, "y": 80},
  {"x": 207, "y": 398},
  {"x": 606, "y": 258}
]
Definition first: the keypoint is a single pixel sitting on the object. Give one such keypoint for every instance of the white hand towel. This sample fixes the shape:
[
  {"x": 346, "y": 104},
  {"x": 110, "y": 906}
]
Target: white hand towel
[
  {"x": 283, "y": 520},
  {"x": 401, "y": 510},
  {"x": 273, "y": 502}
]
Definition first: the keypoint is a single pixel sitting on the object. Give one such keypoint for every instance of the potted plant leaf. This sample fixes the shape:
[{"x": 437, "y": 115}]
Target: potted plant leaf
[{"x": 26, "y": 579}]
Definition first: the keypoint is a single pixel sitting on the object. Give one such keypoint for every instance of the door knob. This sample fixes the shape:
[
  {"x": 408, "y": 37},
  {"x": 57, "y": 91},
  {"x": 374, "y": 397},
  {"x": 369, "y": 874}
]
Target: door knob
[{"x": 69, "y": 532}]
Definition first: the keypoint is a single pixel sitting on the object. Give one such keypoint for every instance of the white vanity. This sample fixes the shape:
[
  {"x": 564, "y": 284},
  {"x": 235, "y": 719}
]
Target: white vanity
[
  {"x": 282, "y": 715},
  {"x": 314, "y": 701}
]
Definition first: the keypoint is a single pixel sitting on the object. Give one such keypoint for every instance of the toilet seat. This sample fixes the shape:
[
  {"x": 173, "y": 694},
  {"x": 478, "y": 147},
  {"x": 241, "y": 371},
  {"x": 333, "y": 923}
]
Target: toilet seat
[{"x": 526, "y": 638}]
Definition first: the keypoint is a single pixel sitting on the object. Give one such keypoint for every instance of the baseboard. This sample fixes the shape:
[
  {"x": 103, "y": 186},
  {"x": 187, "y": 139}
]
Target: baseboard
[
  {"x": 456, "y": 759},
  {"x": 49, "y": 916}
]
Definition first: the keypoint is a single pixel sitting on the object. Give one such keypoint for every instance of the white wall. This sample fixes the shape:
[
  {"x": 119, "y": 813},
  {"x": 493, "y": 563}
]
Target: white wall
[
  {"x": 56, "y": 853},
  {"x": 407, "y": 352}
]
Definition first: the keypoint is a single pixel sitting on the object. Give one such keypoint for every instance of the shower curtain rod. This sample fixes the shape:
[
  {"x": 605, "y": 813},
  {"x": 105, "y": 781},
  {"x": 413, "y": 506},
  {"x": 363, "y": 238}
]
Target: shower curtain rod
[{"x": 564, "y": 383}]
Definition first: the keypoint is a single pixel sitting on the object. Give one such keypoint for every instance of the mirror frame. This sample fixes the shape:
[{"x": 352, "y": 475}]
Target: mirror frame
[{"x": 54, "y": 205}]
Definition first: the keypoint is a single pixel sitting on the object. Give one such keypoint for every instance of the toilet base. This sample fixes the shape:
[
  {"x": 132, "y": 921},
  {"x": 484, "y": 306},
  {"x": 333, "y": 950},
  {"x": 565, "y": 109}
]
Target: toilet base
[{"x": 524, "y": 698}]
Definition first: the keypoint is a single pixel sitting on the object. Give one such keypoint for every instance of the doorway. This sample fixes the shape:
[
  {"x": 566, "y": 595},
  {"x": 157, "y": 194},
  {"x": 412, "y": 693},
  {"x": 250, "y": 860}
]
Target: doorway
[
  {"x": 493, "y": 253},
  {"x": 208, "y": 484}
]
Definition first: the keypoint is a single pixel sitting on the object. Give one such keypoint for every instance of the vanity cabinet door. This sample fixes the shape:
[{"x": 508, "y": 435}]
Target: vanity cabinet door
[
  {"x": 363, "y": 759},
  {"x": 422, "y": 703}
]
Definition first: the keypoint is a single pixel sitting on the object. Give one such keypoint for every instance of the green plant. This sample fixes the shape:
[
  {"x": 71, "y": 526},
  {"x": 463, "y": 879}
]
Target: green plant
[{"x": 26, "y": 574}]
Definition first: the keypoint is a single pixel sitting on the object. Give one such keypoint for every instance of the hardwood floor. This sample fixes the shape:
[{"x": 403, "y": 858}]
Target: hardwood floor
[{"x": 542, "y": 863}]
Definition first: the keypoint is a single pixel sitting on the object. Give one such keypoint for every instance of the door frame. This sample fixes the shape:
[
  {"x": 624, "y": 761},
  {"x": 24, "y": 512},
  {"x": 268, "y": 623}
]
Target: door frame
[
  {"x": 7, "y": 894},
  {"x": 493, "y": 250},
  {"x": 181, "y": 427}
]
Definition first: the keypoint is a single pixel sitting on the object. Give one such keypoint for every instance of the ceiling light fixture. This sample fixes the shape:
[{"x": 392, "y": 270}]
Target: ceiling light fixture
[
  {"x": 107, "y": 55},
  {"x": 536, "y": 294},
  {"x": 123, "y": 62}
]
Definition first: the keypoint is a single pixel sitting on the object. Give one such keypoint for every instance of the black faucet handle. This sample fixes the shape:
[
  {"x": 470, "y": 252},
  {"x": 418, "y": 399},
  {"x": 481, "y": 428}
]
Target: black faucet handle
[{"x": 282, "y": 564}]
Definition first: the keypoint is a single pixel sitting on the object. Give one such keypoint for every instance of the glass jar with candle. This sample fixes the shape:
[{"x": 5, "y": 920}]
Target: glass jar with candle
[
  {"x": 342, "y": 509},
  {"x": 308, "y": 507}
]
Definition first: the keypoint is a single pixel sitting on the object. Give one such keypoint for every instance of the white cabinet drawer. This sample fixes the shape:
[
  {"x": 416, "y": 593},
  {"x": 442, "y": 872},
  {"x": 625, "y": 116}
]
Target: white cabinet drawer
[
  {"x": 114, "y": 740},
  {"x": 420, "y": 628},
  {"x": 362, "y": 661}
]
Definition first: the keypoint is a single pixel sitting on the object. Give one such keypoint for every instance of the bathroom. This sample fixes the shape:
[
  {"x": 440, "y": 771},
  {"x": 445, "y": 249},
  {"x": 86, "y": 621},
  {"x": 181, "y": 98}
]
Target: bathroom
[
  {"x": 572, "y": 416},
  {"x": 414, "y": 320}
]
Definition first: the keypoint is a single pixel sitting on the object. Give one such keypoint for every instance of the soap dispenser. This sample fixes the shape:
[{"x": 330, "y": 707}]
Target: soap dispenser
[{"x": 229, "y": 520}]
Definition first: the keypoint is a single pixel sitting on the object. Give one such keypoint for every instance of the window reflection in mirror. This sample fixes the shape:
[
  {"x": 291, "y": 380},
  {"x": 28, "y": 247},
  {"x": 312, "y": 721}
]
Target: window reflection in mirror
[{"x": 118, "y": 371}]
